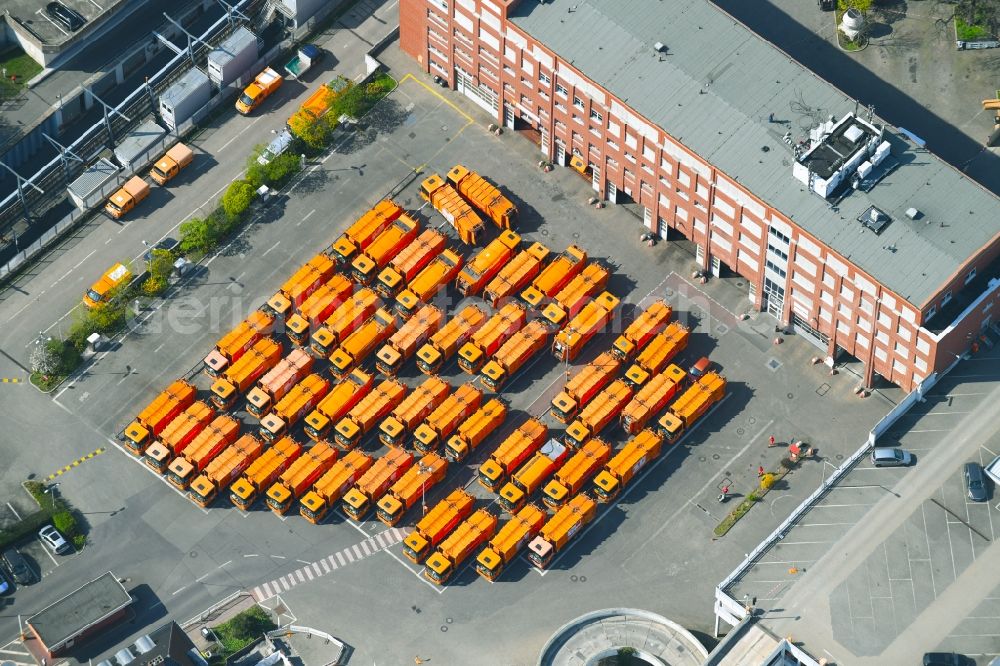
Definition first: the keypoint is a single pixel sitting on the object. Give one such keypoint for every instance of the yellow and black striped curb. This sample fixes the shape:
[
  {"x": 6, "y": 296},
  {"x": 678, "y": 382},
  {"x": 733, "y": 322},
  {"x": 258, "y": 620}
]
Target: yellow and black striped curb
[
  {"x": 76, "y": 463},
  {"x": 10, "y": 380}
]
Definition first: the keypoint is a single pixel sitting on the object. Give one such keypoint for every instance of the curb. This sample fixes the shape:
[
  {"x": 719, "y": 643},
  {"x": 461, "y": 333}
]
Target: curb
[{"x": 837, "y": 36}]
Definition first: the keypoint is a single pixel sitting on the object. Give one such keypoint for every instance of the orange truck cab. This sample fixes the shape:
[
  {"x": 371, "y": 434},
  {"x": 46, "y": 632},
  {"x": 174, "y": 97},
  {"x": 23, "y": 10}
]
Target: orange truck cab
[
  {"x": 413, "y": 409},
  {"x": 484, "y": 196},
  {"x": 443, "y": 344},
  {"x": 100, "y": 292},
  {"x": 128, "y": 197},
  {"x": 508, "y": 456},
  {"x": 437, "y": 524},
  {"x": 259, "y": 89},
  {"x": 168, "y": 166}
]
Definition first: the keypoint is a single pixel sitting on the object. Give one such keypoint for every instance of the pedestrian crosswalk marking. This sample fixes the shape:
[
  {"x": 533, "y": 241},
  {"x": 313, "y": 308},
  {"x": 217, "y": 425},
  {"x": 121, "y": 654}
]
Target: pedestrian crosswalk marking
[{"x": 329, "y": 564}]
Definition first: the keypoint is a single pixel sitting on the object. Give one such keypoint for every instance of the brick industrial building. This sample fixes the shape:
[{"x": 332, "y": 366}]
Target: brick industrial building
[{"x": 846, "y": 229}]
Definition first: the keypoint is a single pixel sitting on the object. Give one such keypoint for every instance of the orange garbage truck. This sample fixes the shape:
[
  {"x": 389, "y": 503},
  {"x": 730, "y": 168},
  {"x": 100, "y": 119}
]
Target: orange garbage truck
[
  {"x": 226, "y": 468},
  {"x": 308, "y": 278},
  {"x": 487, "y": 263},
  {"x": 259, "y": 89},
  {"x": 475, "y": 429},
  {"x": 157, "y": 414},
  {"x": 342, "y": 398},
  {"x": 572, "y": 476},
  {"x": 235, "y": 343},
  {"x": 652, "y": 398},
  {"x": 691, "y": 406},
  {"x": 196, "y": 457},
  {"x": 484, "y": 196},
  {"x": 651, "y": 322},
  {"x": 472, "y": 533},
  {"x": 405, "y": 341},
  {"x": 131, "y": 194},
  {"x": 485, "y": 342},
  {"x": 598, "y": 413},
  {"x": 446, "y": 200},
  {"x": 331, "y": 487},
  {"x": 508, "y": 456},
  {"x": 300, "y": 476},
  {"x": 244, "y": 373},
  {"x": 594, "y": 316},
  {"x": 440, "y": 423},
  {"x": 374, "y": 407},
  {"x": 222, "y": 431},
  {"x": 516, "y": 274},
  {"x": 402, "y": 232},
  {"x": 509, "y": 541},
  {"x": 530, "y": 476},
  {"x": 411, "y": 488},
  {"x": 409, "y": 262},
  {"x": 263, "y": 471},
  {"x": 358, "y": 345},
  {"x": 560, "y": 530},
  {"x": 571, "y": 298},
  {"x": 344, "y": 321},
  {"x": 583, "y": 386},
  {"x": 317, "y": 308},
  {"x": 278, "y": 381},
  {"x": 168, "y": 166},
  {"x": 628, "y": 462},
  {"x": 658, "y": 353},
  {"x": 514, "y": 355},
  {"x": 181, "y": 430},
  {"x": 414, "y": 408},
  {"x": 437, "y": 524},
  {"x": 363, "y": 232},
  {"x": 555, "y": 276},
  {"x": 433, "y": 355},
  {"x": 421, "y": 289},
  {"x": 298, "y": 402},
  {"x": 375, "y": 482}
]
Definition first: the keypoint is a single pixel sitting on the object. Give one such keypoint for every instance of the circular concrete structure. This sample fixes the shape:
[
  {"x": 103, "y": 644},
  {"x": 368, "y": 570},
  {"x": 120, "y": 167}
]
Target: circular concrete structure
[{"x": 600, "y": 634}]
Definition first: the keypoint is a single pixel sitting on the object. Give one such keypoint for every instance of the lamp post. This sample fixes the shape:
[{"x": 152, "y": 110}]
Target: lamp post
[{"x": 50, "y": 491}]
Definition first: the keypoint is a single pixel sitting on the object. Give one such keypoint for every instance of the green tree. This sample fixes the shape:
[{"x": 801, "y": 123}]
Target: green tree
[
  {"x": 44, "y": 359},
  {"x": 280, "y": 170},
  {"x": 313, "y": 132},
  {"x": 161, "y": 263},
  {"x": 255, "y": 173},
  {"x": 198, "y": 235},
  {"x": 65, "y": 522},
  {"x": 237, "y": 199},
  {"x": 862, "y": 6}
]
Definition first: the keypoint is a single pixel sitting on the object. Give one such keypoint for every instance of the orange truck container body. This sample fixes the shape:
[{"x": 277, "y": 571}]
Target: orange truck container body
[
  {"x": 263, "y": 471},
  {"x": 128, "y": 197},
  {"x": 532, "y": 474},
  {"x": 317, "y": 308},
  {"x": 437, "y": 524},
  {"x": 560, "y": 530},
  {"x": 692, "y": 405},
  {"x": 594, "y": 316},
  {"x": 278, "y": 381},
  {"x": 222, "y": 431},
  {"x": 428, "y": 282},
  {"x": 383, "y": 249},
  {"x": 331, "y": 487},
  {"x": 475, "y": 429},
  {"x": 197, "y": 457},
  {"x": 414, "y": 408},
  {"x": 235, "y": 343},
  {"x": 571, "y": 477},
  {"x": 473, "y": 532},
  {"x": 245, "y": 372},
  {"x": 168, "y": 166},
  {"x": 180, "y": 432},
  {"x": 660, "y": 351},
  {"x": 373, "y": 407},
  {"x": 516, "y": 274},
  {"x": 651, "y": 322},
  {"x": 508, "y": 456},
  {"x": 555, "y": 276},
  {"x": 487, "y": 340},
  {"x": 260, "y": 89},
  {"x": 652, "y": 398},
  {"x": 298, "y": 402},
  {"x": 411, "y": 487},
  {"x": 484, "y": 196},
  {"x": 571, "y": 298},
  {"x": 513, "y": 355},
  {"x": 341, "y": 399},
  {"x": 440, "y": 423},
  {"x": 446, "y": 200},
  {"x": 405, "y": 341},
  {"x": 583, "y": 386},
  {"x": 359, "y": 344},
  {"x": 487, "y": 263},
  {"x": 300, "y": 476},
  {"x": 363, "y": 232},
  {"x": 224, "y": 469},
  {"x": 509, "y": 541},
  {"x": 311, "y": 276},
  {"x": 598, "y": 413},
  {"x": 375, "y": 482},
  {"x": 318, "y": 104},
  {"x": 157, "y": 414},
  {"x": 344, "y": 321},
  {"x": 639, "y": 451},
  {"x": 431, "y": 357},
  {"x": 411, "y": 260}
]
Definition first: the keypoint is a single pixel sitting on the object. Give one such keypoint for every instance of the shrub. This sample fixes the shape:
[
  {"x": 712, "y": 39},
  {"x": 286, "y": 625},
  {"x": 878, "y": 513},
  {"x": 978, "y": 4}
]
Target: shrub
[
  {"x": 79, "y": 541},
  {"x": 65, "y": 522},
  {"x": 198, "y": 235},
  {"x": 243, "y": 629},
  {"x": 255, "y": 172},
  {"x": 767, "y": 481},
  {"x": 279, "y": 170},
  {"x": 36, "y": 489},
  {"x": 27, "y": 526},
  {"x": 154, "y": 286},
  {"x": 45, "y": 358},
  {"x": 161, "y": 263},
  {"x": 238, "y": 197}
]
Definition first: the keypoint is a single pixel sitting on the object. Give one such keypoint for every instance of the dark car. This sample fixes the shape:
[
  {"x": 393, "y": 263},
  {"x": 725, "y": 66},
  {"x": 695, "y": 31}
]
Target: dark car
[
  {"x": 18, "y": 567},
  {"x": 947, "y": 659},
  {"x": 68, "y": 18},
  {"x": 975, "y": 482}
]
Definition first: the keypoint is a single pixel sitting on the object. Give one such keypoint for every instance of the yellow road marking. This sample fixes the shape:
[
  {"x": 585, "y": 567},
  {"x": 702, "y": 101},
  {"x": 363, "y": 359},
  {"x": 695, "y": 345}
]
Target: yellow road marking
[
  {"x": 76, "y": 463},
  {"x": 410, "y": 77}
]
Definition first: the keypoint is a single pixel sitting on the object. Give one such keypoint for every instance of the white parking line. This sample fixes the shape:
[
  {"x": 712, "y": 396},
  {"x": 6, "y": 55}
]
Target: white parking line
[
  {"x": 51, "y": 557},
  {"x": 39, "y": 12},
  {"x": 13, "y": 510}
]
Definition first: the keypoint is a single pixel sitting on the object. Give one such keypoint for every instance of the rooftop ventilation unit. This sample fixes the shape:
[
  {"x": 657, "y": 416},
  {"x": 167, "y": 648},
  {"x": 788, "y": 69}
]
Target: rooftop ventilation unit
[
  {"x": 659, "y": 47},
  {"x": 124, "y": 656},
  {"x": 912, "y": 213},
  {"x": 874, "y": 219},
  {"x": 144, "y": 644},
  {"x": 854, "y": 133}
]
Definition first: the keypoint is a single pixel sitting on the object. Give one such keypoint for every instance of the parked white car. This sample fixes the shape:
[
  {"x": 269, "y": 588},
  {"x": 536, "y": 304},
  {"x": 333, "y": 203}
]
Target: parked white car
[{"x": 53, "y": 540}]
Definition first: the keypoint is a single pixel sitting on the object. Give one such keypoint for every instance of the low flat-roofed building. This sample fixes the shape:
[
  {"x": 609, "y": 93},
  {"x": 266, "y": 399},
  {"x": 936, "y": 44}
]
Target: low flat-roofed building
[{"x": 81, "y": 613}]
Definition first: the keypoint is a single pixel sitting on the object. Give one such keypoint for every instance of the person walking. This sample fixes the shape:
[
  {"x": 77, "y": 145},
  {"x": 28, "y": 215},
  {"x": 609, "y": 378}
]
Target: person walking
[
  {"x": 770, "y": 441},
  {"x": 760, "y": 471}
]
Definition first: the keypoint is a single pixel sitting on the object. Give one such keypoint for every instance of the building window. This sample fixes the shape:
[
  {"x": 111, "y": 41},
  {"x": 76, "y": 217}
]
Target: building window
[
  {"x": 612, "y": 162},
  {"x": 971, "y": 276},
  {"x": 560, "y": 107},
  {"x": 947, "y": 298},
  {"x": 774, "y": 250},
  {"x": 437, "y": 19},
  {"x": 508, "y": 70},
  {"x": 509, "y": 53},
  {"x": 780, "y": 236},
  {"x": 577, "y": 102},
  {"x": 630, "y": 157},
  {"x": 544, "y": 78},
  {"x": 612, "y": 145},
  {"x": 486, "y": 55},
  {"x": 775, "y": 268},
  {"x": 577, "y": 119},
  {"x": 594, "y": 115},
  {"x": 596, "y": 132},
  {"x": 526, "y": 83},
  {"x": 561, "y": 90},
  {"x": 930, "y": 313}
]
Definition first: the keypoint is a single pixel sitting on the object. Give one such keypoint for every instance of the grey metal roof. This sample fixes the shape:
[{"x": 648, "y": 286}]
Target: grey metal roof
[
  {"x": 714, "y": 90},
  {"x": 79, "y": 610},
  {"x": 139, "y": 140}
]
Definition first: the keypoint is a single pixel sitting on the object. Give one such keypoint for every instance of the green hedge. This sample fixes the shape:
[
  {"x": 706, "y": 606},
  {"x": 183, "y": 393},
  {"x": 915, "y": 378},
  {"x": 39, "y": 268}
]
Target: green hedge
[
  {"x": 27, "y": 526},
  {"x": 243, "y": 629}
]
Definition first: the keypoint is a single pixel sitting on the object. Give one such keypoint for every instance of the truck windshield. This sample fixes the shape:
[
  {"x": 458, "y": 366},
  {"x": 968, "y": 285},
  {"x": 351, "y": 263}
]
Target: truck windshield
[
  {"x": 159, "y": 172},
  {"x": 246, "y": 100},
  {"x": 94, "y": 296},
  {"x": 114, "y": 207}
]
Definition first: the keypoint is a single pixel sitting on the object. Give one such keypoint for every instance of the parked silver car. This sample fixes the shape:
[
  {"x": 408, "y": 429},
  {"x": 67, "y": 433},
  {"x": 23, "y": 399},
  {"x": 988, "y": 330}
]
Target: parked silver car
[
  {"x": 53, "y": 540},
  {"x": 889, "y": 457}
]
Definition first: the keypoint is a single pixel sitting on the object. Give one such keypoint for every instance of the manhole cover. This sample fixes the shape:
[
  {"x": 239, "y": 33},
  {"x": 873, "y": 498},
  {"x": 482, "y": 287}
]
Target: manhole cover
[
  {"x": 791, "y": 395},
  {"x": 715, "y": 456},
  {"x": 544, "y": 232},
  {"x": 573, "y": 578},
  {"x": 702, "y": 458},
  {"x": 751, "y": 420},
  {"x": 739, "y": 284},
  {"x": 444, "y": 628},
  {"x": 721, "y": 329},
  {"x": 839, "y": 456},
  {"x": 773, "y": 364},
  {"x": 583, "y": 579},
  {"x": 668, "y": 293},
  {"x": 740, "y": 431}
]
